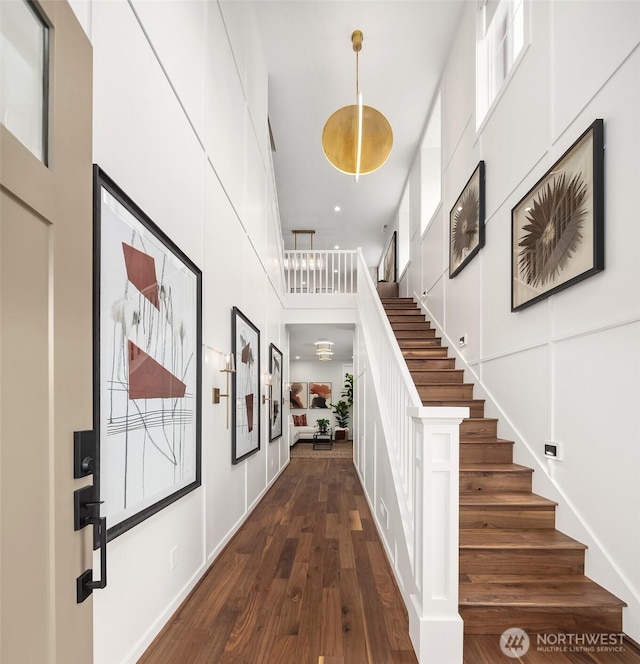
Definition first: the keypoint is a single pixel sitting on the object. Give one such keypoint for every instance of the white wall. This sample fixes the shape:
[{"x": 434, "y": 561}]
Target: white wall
[
  {"x": 567, "y": 368},
  {"x": 180, "y": 123}
]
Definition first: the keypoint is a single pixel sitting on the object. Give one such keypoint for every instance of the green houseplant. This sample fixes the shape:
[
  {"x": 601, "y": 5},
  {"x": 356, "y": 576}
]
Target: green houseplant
[
  {"x": 323, "y": 425},
  {"x": 347, "y": 390},
  {"x": 341, "y": 411}
]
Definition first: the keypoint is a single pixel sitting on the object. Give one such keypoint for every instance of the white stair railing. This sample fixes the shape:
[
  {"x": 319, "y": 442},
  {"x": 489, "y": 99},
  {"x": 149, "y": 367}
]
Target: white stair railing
[
  {"x": 422, "y": 446},
  {"x": 313, "y": 272}
]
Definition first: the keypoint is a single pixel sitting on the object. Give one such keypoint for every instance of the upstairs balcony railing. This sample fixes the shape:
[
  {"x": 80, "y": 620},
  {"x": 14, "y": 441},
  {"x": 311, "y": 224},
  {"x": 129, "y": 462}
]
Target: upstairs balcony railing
[{"x": 313, "y": 272}]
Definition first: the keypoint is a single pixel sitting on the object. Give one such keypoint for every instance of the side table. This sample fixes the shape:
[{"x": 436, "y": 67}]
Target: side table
[{"x": 322, "y": 441}]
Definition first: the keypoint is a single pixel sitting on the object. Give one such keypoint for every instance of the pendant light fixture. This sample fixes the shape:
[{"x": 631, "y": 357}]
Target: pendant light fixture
[{"x": 357, "y": 139}]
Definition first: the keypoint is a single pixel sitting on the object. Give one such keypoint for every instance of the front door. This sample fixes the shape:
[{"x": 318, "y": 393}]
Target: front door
[{"x": 45, "y": 331}]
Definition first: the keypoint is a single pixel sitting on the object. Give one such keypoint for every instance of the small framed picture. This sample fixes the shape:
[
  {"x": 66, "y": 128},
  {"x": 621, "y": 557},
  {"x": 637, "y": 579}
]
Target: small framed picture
[
  {"x": 466, "y": 223},
  {"x": 245, "y": 387},
  {"x": 275, "y": 405}
]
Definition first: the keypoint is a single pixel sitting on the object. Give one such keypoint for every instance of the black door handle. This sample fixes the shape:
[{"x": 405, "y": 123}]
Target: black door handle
[
  {"x": 85, "y": 584},
  {"x": 100, "y": 522}
]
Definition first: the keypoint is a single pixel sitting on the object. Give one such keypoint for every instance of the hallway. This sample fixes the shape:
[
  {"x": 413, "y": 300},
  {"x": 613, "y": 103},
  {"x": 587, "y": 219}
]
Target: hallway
[{"x": 306, "y": 581}]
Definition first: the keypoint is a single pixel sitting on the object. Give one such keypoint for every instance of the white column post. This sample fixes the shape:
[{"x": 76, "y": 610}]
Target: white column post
[{"x": 435, "y": 626}]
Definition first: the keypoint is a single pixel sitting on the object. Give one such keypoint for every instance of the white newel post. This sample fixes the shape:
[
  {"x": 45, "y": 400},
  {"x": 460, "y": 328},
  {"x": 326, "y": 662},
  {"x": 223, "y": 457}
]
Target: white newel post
[{"x": 435, "y": 625}]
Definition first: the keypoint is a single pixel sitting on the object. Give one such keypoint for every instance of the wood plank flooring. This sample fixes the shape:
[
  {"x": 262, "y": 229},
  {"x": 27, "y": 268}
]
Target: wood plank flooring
[{"x": 306, "y": 581}]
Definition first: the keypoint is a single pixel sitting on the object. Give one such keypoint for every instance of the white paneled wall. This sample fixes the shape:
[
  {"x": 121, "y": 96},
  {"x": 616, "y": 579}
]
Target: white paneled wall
[
  {"x": 180, "y": 123},
  {"x": 567, "y": 368}
]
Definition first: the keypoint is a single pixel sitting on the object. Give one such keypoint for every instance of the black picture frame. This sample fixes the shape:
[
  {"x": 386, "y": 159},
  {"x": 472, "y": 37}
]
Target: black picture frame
[
  {"x": 557, "y": 227},
  {"x": 147, "y": 394},
  {"x": 277, "y": 402},
  {"x": 245, "y": 387},
  {"x": 389, "y": 261},
  {"x": 466, "y": 222}
]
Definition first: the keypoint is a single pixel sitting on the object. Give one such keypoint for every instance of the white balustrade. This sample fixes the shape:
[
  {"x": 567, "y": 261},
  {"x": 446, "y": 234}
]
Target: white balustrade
[
  {"x": 313, "y": 272},
  {"x": 422, "y": 446}
]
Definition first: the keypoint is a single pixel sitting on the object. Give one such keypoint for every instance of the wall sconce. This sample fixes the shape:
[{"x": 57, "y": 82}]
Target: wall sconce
[
  {"x": 268, "y": 381},
  {"x": 229, "y": 368}
]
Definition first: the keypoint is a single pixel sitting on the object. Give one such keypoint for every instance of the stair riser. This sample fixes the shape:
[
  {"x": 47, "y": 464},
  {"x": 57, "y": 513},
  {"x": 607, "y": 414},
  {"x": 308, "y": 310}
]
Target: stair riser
[
  {"x": 424, "y": 342},
  {"x": 479, "y": 430},
  {"x": 432, "y": 362},
  {"x": 424, "y": 353},
  {"x": 479, "y": 517},
  {"x": 551, "y": 620},
  {"x": 521, "y": 561},
  {"x": 476, "y": 407},
  {"x": 414, "y": 325},
  {"x": 405, "y": 317},
  {"x": 445, "y": 391},
  {"x": 392, "y": 301},
  {"x": 473, "y": 452},
  {"x": 455, "y": 377},
  {"x": 414, "y": 334},
  {"x": 472, "y": 481}
]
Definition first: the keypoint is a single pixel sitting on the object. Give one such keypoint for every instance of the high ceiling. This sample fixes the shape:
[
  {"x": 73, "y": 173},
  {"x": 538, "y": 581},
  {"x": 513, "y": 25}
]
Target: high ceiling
[{"x": 311, "y": 65}]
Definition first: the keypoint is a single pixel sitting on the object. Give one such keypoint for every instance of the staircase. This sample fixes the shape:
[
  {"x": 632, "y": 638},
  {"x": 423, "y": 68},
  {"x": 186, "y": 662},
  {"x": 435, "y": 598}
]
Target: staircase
[{"x": 516, "y": 569}]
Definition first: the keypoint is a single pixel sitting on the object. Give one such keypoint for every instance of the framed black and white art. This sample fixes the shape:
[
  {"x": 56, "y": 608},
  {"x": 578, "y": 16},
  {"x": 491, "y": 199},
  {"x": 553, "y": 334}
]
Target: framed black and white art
[
  {"x": 245, "y": 387},
  {"x": 147, "y": 362},
  {"x": 275, "y": 405}
]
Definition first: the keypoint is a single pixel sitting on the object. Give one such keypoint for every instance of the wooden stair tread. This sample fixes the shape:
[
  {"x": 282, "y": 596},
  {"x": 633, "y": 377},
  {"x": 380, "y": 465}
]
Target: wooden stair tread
[
  {"x": 505, "y": 499},
  {"x": 453, "y": 403},
  {"x": 494, "y": 468},
  {"x": 493, "y": 441},
  {"x": 508, "y": 538},
  {"x": 569, "y": 590}
]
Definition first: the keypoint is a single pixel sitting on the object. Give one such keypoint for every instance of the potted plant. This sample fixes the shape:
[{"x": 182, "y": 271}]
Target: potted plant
[
  {"x": 323, "y": 425},
  {"x": 341, "y": 411},
  {"x": 347, "y": 390}
]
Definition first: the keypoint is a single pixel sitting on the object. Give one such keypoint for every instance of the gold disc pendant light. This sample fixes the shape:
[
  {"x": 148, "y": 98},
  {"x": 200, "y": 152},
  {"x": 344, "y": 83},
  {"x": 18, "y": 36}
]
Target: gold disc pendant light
[{"x": 357, "y": 139}]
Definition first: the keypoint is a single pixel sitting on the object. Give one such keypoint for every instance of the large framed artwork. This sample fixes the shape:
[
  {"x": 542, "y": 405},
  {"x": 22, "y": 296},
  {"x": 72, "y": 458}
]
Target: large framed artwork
[
  {"x": 320, "y": 395},
  {"x": 557, "y": 229},
  {"x": 275, "y": 405},
  {"x": 466, "y": 222},
  {"x": 298, "y": 396},
  {"x": 245, "y": 387},
  {"x": 147, "y": 362}
]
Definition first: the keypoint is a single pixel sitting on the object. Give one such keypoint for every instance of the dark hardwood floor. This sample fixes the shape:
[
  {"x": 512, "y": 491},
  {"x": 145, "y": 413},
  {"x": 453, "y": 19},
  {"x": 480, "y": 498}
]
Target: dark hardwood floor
[{"x": 306, "y": 581}]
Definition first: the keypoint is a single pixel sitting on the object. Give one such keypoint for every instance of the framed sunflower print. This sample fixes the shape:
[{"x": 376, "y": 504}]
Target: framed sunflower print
[
  {"x": 245, "y": 387},
  {"x": 466, "y": 223},
  {"x": 557, "y": 229}
]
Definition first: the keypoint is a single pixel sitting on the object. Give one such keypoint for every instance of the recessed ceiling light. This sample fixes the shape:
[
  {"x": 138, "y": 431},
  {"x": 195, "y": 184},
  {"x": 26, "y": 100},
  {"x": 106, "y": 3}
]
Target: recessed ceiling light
[
  {"x": 337, "y": 246},
  {"x": 297, "y": 357},
  {"x": 336, "y": 208}
]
